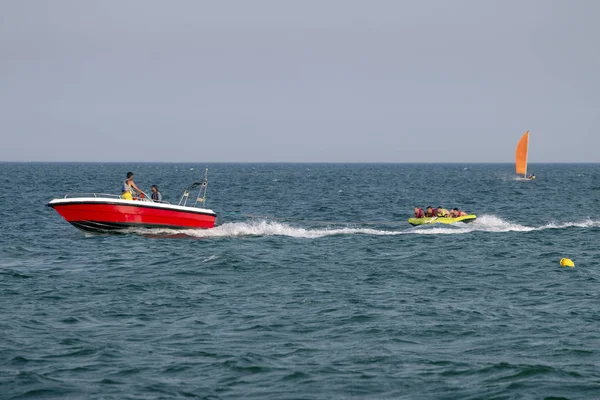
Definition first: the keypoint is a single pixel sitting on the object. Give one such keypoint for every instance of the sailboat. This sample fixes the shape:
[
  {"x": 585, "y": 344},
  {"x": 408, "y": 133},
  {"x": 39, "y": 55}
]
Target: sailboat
[{"x": 521, "y": 158}]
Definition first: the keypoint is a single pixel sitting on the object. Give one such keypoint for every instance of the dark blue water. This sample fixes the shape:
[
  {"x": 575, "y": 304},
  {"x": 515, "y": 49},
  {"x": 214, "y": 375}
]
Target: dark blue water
[{"x": 324, "y": 292}]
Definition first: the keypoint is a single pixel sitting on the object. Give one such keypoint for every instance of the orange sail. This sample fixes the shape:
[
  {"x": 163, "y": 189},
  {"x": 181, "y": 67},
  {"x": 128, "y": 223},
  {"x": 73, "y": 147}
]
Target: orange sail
[{"x": 521, "y": 156}]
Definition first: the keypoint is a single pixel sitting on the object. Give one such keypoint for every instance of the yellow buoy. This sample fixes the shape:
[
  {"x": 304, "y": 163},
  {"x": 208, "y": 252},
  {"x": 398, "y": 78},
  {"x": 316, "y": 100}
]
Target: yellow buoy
[{"x": 566, "y": 262}]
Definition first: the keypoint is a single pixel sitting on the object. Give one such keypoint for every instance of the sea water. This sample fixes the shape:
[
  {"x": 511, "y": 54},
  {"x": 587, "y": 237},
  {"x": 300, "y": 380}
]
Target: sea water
[{"x": 312, "y": 285}]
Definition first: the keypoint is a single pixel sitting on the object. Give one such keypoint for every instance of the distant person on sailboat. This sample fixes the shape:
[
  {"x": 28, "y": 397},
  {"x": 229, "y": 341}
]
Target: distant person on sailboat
[{"x": 531, "y": 176}]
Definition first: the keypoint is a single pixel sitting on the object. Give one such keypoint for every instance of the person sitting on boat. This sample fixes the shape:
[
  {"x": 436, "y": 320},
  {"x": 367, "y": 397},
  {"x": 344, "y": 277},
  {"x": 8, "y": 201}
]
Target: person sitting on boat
[
  {"x": 419, "y": 213},
  {"x": 156, "y": 195},
  {"x": 442, "y": 212},
  {"x": 531, "y": 176},
  {"x": 128, "y": 187},
  {"x": 457, "y": 213},
  {"x": 430, "y": 212}
]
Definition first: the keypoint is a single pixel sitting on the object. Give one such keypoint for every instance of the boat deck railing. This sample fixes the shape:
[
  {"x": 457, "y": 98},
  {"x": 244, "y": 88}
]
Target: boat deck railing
[{"x": 110, "y": 196}]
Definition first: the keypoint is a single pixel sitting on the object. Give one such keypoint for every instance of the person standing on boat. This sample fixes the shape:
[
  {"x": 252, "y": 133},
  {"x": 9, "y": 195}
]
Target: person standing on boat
[
  {"x": 128, "y": 187},
  {"x": 156, "y": 195},
  {"x": 419, "y": 213}
]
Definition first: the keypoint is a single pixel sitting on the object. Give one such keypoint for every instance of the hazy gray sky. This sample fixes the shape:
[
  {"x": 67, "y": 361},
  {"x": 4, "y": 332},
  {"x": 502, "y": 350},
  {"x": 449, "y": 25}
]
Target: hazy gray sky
[{"x": 294, "y": 81}]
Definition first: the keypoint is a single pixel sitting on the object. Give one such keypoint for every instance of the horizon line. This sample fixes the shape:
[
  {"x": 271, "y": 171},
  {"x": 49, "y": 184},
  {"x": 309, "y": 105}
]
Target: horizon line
[{"x": 297, "y": 162}]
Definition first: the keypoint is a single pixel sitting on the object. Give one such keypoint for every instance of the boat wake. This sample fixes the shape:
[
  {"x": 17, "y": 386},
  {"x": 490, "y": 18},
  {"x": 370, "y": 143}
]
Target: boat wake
[
  {"x": 267, "y": 228},
  {"x": 491, "y": 223},
  {"x": 485, "y": 223}
]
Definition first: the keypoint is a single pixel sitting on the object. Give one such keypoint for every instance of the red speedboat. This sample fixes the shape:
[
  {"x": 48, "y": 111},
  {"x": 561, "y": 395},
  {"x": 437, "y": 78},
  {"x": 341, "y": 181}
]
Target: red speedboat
[{"x": 104, "y": 213}]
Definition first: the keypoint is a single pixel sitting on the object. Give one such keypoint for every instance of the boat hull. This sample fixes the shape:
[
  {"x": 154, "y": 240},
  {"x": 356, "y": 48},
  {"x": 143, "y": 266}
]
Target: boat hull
[
  {"x": 114, "y": 215},
  {"x": 441, "y": 220}
]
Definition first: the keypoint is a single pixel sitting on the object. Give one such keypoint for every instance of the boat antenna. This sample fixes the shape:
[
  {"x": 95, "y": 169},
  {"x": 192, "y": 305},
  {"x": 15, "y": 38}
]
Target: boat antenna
[{"x": 202, "y": 192}]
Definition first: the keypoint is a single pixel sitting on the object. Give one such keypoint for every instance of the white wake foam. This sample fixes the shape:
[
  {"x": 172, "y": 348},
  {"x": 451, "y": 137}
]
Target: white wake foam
[
  {"x": 588, "y": 223},
  {"x": 269, "y": 228},
  {"x": 491, "y": 223},
  {"x": 485, "y": 223}
]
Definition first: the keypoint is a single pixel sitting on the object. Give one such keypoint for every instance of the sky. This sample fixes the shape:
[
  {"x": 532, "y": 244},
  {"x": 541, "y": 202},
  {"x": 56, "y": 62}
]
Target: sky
[{"x": 299, "y": 81}]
